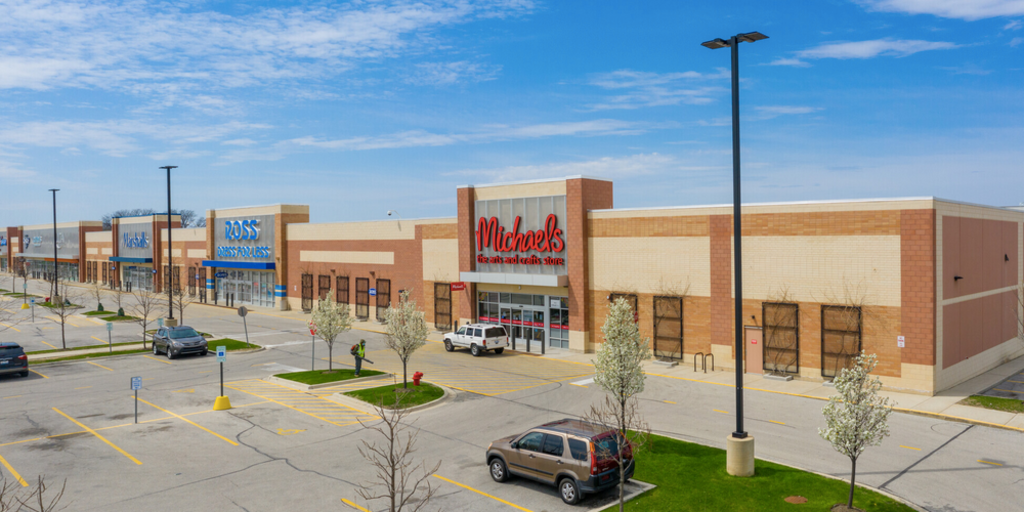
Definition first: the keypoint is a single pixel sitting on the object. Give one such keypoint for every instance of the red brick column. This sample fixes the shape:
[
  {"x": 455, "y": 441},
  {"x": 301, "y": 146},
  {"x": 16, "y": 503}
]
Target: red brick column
[
  {"x": 467, "y": 251},
  {"x": 582, "y": 195},
  {"x": 917, "y": 280},
  {"x": 721, "y": 280}
]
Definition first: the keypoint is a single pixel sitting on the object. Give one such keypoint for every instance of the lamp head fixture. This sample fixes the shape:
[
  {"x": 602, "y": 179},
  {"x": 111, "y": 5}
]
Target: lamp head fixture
[{"x": 748, "y": 37}]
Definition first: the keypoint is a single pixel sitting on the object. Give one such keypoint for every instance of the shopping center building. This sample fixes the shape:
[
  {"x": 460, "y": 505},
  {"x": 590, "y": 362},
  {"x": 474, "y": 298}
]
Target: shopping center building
[{"x": 929, "y": 285}]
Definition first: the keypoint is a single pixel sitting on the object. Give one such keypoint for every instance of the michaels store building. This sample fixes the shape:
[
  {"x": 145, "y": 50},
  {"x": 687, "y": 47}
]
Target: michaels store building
[{"x": 927, "y": 284}]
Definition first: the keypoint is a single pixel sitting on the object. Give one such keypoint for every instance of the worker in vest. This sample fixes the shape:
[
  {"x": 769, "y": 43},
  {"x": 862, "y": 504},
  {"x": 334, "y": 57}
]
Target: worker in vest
[{"x": 360, "y": 354}]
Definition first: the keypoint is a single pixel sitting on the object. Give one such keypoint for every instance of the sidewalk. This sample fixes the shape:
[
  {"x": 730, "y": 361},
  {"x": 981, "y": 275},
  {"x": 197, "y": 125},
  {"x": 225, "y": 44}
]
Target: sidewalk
[{"x": 71, "y": 352}]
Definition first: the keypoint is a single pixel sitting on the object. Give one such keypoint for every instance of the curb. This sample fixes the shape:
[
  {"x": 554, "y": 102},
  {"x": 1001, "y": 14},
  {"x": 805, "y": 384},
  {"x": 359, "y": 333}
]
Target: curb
[
  {"x": 644, "y": 487},
  {"x": 309, "y": 387},
  {"x": 368, "y": 408},
  {"x": 42, "y": 358}
]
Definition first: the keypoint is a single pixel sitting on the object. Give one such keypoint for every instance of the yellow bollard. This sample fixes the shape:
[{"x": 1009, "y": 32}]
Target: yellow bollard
[
  {"x": 24, "y": 305},
  {"x": 222, "y": 403}
]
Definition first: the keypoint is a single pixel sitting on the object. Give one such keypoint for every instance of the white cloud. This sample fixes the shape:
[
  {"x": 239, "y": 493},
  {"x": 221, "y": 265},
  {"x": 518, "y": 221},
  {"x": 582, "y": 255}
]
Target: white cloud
[
  {"x": 961, "y": 9},
  {"x": 606, "y": 167},
  {"x": 489, "y": 133},
  {"x": 1016, "y": 41},
  {"x": 778, "y": 110},
  {"x": 158, "y": 48},
  {"x": 239, "y": 142},
  {"x": 864, "y": 50},
  {"x": 452, "y": 73},
  {"x": 1013, "y": 25},
  {"x": 645, "y": 89}
]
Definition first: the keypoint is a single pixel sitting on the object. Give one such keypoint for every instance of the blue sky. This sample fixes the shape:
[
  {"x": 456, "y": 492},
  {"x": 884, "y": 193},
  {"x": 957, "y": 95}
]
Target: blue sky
[{"x": 359, "y": 107}]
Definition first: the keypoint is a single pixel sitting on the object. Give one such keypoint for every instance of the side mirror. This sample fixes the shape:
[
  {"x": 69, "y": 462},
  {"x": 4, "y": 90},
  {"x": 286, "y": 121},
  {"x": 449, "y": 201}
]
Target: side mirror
[{"x": 515, "y": 446}]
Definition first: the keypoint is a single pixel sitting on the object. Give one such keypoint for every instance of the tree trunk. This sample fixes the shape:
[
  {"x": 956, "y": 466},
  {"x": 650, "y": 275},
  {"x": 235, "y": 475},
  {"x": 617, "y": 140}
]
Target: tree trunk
[
  {"x": 853, "y": 478},
  {"x": 63, "y": 342},
  {"x": 405, "y": 382},
  {"x": 330, "y": 357}
]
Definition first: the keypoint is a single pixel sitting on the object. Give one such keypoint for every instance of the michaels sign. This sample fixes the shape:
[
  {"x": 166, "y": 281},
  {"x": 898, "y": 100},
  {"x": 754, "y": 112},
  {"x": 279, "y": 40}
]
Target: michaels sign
[{"x": 135, "y": 241}]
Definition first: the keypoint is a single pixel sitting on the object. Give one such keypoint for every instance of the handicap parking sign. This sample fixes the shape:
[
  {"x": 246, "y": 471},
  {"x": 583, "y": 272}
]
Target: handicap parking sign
[{"x": 222, "y": 354}]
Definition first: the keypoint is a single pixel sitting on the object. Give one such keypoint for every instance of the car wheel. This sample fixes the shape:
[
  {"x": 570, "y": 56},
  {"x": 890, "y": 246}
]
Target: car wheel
[
  {"x": 499, "y": 350},
  {"x": 498, "y": 470},
  {"x": 475, "y": 350},
  {"x": 203, "y": 353},
  {"x": 569, "y": 491},
  {"x": 24, "y": 374},
  {"x": 155, "y": 351},
  {"x": 169, "y": 352},
  {"x": 448, "y": 345}
]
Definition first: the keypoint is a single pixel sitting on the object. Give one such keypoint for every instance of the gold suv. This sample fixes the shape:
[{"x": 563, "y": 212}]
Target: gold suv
[{"x": 576, "y": 456}]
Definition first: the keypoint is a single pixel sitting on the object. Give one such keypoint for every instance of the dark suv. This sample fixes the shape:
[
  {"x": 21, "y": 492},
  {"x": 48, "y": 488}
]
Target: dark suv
[
  {"x": 576, "y": 456},
  {"x": 13, "y": 359},
  {"x": 176, "y": 341}
]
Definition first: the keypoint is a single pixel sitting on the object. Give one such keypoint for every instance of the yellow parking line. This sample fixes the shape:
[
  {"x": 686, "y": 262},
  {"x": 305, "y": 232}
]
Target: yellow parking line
[
  {"x": 190, "y": 422},
  {"x": 495, "y": 498},
  {"x": 37, "y": 373},
  {"x": 987, "y": 462},
  {"x": 13, "y": 472},
  {"x": 353, "y": 505},
  {"x": 1016, "y": 381},
  {"x": 910, "y": 447},
  {"x": 155, "y": 359},
  {"x": 97, "y": 434},
  {"x": 776, "y": 422},
  {"x": 1003, "y": 390},
  {"x": 83, "y": 387},
  {"x": 669, "y": 402},
  {"x": 12, "y": 396},
  {"x": 47, "y": 344},
  {"x": 9, "y": 326},
  {"x": 103, "y": 341},
  {"x": 723, "y": 412},
  {"x": 100, "y": 365}
]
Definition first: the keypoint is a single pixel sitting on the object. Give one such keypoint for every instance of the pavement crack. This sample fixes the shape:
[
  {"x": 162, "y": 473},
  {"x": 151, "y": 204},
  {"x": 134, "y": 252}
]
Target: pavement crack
[{"x": 922, "y": 459}]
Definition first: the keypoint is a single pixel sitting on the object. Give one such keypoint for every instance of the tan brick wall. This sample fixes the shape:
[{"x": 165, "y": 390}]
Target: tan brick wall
[
  {"x": 665, "y": 265},
  {"x": 649, "y": 227}
]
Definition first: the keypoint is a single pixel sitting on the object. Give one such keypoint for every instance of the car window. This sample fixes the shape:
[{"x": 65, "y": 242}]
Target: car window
[
  {"x": 462, "y": 330},
  {"x": 607, "y": 447},
  {"x": 578, "y": 449},
  {"x": 160, "y": 332},
  {"x": 495, "y": 332},
  {"x": 477, "y": 333},
  {"x": 178, "y": 334},
  {"x": 532, "y": 441},
  {"x": 553, "y": 445},
  {"x": 10, "y": 351}
]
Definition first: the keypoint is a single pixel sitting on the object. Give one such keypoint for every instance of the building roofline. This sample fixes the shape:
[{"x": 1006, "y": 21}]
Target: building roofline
[
  {"x": 528, "y": 182},
  {"x": 797, "y": 203}
]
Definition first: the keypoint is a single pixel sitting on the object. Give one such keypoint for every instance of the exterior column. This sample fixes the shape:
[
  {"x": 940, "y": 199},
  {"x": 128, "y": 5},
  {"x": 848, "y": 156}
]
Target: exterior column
[
  {"x": 582, "y": 195},
  {"x": 467, "y": 252},
  {"x": 721, "y": 290}
]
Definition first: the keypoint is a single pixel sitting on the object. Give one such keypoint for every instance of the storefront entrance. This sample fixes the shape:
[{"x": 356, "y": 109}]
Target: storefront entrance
[
  {"x": 252, "y": 287},
  {"x": 138, "y": 278},
  {"x": 534, "y": 322}
]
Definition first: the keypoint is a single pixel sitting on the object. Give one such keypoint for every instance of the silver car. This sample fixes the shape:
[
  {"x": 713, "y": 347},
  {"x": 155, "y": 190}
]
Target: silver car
[{"x": 176, "y": 341}]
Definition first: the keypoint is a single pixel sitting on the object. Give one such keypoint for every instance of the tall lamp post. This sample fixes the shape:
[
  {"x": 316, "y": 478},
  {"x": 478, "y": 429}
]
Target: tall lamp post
[
  {"x": 170, "y": 252},
  {"x": 56, "y": 291},
  {"x": 739, "y": 445}
]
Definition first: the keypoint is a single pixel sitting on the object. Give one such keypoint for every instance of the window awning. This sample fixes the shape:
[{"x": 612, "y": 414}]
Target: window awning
[{"x": 125, "y": 259}]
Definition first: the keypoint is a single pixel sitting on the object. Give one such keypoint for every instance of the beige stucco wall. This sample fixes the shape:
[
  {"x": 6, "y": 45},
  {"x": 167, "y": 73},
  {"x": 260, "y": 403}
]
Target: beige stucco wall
[
  {"x": 377, "y": 230},
  {"x": 97, "y": 236},
  {"x": 441, "y": 260},
  {"x": 667, "y": 265},
  {"x": 364, "y": 257},
  {"x": 517, "y": 190},
  {"x": 246, "y": 211},
  {"x": 186, "y": 235}
]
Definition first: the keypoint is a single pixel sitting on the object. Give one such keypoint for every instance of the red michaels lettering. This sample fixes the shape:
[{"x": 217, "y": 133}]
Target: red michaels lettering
[{"x": 549, "y": 239}]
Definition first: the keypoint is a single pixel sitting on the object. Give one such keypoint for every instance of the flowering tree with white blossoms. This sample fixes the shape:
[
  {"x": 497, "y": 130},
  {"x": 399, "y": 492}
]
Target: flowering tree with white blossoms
[
  {"x": 406, "y": 331},
  {"x": 330, "y": 319},
  {"x": 619, "y": 371},
  {"x": 856, "y": 417}
]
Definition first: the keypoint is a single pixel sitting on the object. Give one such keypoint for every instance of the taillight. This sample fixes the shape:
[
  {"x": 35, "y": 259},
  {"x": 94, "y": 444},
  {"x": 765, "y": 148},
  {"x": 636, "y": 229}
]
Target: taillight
[
  {"x": 22, "y": 357},
  {"x": 485, "y": 343},
  {"x": 593, "y": 459}
]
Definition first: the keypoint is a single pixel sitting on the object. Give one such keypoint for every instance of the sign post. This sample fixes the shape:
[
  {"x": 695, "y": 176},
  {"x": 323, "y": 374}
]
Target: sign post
[
  {"x": 33, "y": 307},
  {"x": 222, "y": 403},
  {"x": 136, "y": 385},
  {"x": 242, "y": 312},
  {"x": 24, "y": 292},
  {"x": 110, "y": 341},
  {"x": 312, "y": 344}
]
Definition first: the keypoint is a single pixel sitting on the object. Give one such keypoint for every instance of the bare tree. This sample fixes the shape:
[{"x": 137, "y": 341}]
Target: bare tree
[
  {"x": 96, "y": 290},
  {"x": 406, "y": 331},
  {"x": 181, "y": 299},
  {"x": 842, "y": 325},
  {"x": 189, "y": 218},
  {"x": 8, "y": 313},
  {"x": 779, "y": 322},
  {"x": 34, "y": 500},
  {"x": 405, "y": 484},
  {"x": 1019, "y": 311},
  {"x": 619, "y": 371},
  {"x": 856, "y": 417},
  {"x": 63, "y": 307},
  {"x": 632, "y": 430},
  {"x": 143, "y": 306},
  {"x": 118, "y": 299},
  {"x": 330, "y": 319}
]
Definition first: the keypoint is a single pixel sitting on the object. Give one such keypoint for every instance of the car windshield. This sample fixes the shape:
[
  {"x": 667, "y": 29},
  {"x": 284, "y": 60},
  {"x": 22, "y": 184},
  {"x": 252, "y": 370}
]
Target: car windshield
[
  {"x": 606, "y": 447},
  {"x": 178, "y": 334},
  {"x": 10, "y": 351}
]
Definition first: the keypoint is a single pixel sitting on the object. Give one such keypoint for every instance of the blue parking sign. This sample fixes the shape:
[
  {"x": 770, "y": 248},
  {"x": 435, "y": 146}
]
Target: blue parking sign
[
  {"x": 222, "y": 354},
  {"x": 136, "y": 383}
]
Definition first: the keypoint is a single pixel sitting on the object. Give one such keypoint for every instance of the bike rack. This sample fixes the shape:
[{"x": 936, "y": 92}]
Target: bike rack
[
  {"x": 695, "y": 361},
  {"x": 712, "y": 356},
  {"x": 704, "y": 361}
]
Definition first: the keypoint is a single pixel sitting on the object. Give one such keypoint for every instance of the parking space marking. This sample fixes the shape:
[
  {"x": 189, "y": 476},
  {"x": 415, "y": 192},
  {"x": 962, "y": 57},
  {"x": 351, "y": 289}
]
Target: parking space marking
[
  {"x": 101, "y": 340},
  {"x": 495, "y": 498},
  {"x": 1016, "y": 381},
  {"x": 37, "y": 373},
  {"x": 319, "y": 408},
  {"x": 776, "y": 422},
  {"x": 723, "y": 412},
  {"x": 13, "y": 472},
  {"x": 669, "y": 402},
  {"x": 100, "y": 365},
  {"x": 12, "y": 396},
  {"x": 83, "y": 387},
  {"x": 186, "y": 420},
  {"x": 155, "y": 359},
  {"x": 991, "y": 463},
  {"x": 353, "y": 505},
  {"x": 910, "y": 447},
  {"x": 97, "y": 434},
  {"x": 9, "y": 326},
  {"x": 47, "y": 344},
  {"x": 1003, "y": 390}
]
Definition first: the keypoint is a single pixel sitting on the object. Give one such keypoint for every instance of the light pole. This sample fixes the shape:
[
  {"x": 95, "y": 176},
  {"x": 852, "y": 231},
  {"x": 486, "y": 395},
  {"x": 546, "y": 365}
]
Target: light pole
[
  {"x": 739, "y": 446},
  {"x": 395, "y": 212},
  {"x": 170, "y": 250},
  {"x": 56, "y": 292}
]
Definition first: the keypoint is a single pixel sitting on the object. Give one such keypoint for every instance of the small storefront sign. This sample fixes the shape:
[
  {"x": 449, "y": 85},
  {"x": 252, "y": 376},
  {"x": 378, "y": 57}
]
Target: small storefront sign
[{"x": 458, "y": 287}]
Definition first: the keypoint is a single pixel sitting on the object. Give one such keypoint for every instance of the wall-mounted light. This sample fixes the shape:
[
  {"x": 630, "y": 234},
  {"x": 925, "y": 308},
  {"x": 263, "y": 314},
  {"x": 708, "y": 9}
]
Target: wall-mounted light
[
  {"x": 957, "y": 278},
  {"x": 1006, "y": 257}
]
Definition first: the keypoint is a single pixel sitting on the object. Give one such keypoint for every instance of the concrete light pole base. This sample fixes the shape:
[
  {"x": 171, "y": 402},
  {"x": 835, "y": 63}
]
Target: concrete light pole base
[
  {"x": 222, "y": 403},
  {"x": 739, "y": 456},
  {"x": 170, "y": 322}
]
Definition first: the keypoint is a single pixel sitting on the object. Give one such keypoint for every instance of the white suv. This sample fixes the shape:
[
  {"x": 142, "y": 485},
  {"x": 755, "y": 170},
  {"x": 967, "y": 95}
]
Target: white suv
[{"x": 478, "y": 338}]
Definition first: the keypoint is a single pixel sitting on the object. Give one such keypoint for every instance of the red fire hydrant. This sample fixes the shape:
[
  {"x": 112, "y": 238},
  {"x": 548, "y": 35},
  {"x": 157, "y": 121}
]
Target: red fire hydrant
[{"x": 416, "y": 378}]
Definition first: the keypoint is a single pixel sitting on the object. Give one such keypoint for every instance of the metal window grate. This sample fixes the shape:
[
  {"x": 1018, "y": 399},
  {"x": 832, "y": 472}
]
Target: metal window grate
[
  {"x": 362, "y": 298},
  {"x": 781, "y": 337},
  {"x": 341, "y": 290},
  {"x": 840, "y": 338},
  {"x": 307, "y": 292},
  {"x": 192, "y": 281},
  {"x": 442, "y": 306},
  {"x": 668, "y": 327},
  {"x": 631, "y": 299},
  {"x": 324, "y": 286},
  {"x": 383, "y": 297}
]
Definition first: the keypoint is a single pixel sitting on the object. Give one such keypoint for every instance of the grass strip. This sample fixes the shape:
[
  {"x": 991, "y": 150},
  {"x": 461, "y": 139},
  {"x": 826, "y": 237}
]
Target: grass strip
[
  {"x": 95, "y": 313},
  {"x": 52, "y": 350},
  {"x": 995, "y": 403},
  {"x": 322, "y": 377},
  {"x": 96, "y": 354},
  {"x": 58, "y": 306},
  {"x": 230, "y": 344},
  {"x": 117, "y": 318},
  {"x": 392, "y": 395},
  {"x": 692, "y": 477}
]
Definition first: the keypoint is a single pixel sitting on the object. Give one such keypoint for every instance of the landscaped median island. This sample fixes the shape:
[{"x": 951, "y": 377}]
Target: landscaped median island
[
  {"x": 995, "y": 403},
  {"x": 692, "y": 477},
  {"x": 314, "y": 377},
  {"x": 388, "y": 395},
  {"x": 97, "y": 350}
]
